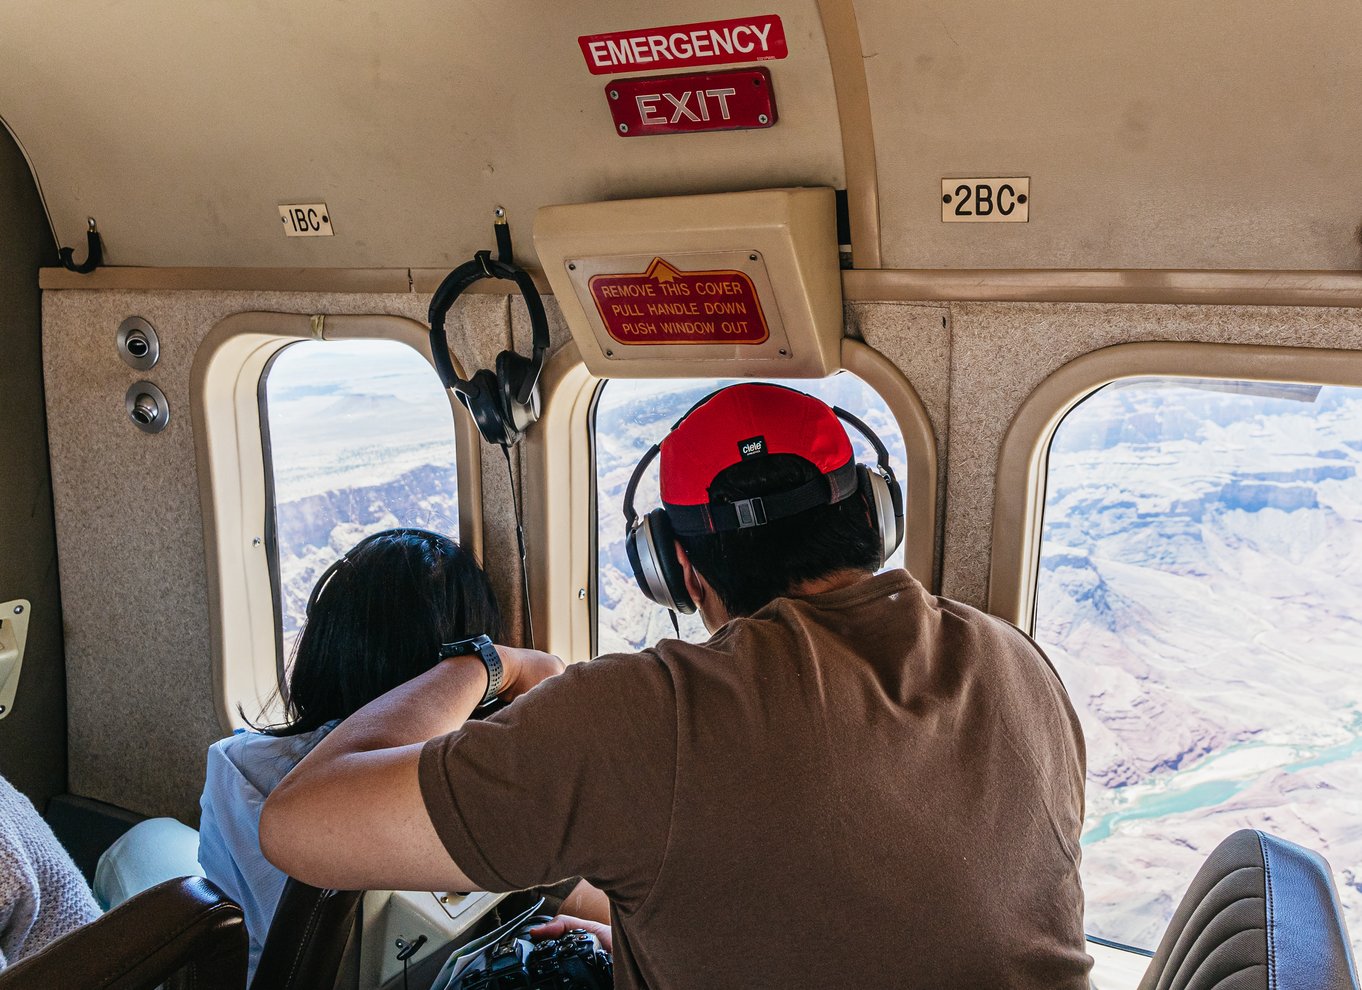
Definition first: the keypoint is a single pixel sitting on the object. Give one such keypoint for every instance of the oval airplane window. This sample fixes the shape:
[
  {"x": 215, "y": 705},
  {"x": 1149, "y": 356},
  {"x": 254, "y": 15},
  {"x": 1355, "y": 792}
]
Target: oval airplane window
[
  {"x": 633, "y": 414},
  {"x": 359, "y": 438},
  {"x": 1200, "y": 593}
]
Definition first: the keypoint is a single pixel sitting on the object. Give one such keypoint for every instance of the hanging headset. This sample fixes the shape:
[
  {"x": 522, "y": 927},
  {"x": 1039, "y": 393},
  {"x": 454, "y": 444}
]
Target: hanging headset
[
  {"x": 504, "y": 402},
  {"x": 650, "y": 540}
]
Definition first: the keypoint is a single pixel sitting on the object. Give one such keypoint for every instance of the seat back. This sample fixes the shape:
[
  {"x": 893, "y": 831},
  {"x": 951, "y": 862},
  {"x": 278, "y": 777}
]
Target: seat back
[
  {"x": 307, "y": 937},
  {"x": 185, "y": 926},
  {"x": 1261, "y": 913}
]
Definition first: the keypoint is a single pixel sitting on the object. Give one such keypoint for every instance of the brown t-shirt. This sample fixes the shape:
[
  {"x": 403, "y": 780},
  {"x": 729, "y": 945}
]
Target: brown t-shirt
[{"x": 869, "y": 787}]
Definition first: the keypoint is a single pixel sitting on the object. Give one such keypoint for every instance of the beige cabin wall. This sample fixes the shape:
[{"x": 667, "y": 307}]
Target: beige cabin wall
[
  {"x": 130, "y": 535},
  {"x": 130, "y": 532},
  {"x": 916, "y": 337}
]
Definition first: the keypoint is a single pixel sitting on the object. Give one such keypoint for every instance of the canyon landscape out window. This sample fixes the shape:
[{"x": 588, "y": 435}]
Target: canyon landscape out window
[
  {"x": 360, "y": 438},
  {"x": 632, "y": 415},
  {"x": 1200, "y": 593}
]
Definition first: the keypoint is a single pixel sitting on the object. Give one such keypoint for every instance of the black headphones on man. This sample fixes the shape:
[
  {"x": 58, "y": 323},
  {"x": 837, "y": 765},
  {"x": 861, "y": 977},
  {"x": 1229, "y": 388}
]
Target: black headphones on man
[
  {"x": 503, "y": 402},
  {"x": 650, "y": 539}
]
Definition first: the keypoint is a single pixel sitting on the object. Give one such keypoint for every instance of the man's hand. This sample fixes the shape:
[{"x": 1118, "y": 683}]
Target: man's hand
[
  {"x": 564, "y": 923},
  {"x": 523, "y": 669}
]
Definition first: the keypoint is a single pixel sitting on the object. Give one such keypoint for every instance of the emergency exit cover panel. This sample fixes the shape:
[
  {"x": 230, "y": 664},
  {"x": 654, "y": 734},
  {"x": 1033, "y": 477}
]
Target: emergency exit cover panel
[{"x": 727, "y": 284}]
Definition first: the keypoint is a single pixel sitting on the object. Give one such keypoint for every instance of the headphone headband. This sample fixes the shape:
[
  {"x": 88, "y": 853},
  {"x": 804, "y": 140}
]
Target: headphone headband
[{"x": 482, "y": 266}]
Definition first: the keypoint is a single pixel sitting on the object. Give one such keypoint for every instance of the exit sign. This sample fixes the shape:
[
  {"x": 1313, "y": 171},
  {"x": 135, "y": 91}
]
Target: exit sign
[{"x": 736, "y": 100}]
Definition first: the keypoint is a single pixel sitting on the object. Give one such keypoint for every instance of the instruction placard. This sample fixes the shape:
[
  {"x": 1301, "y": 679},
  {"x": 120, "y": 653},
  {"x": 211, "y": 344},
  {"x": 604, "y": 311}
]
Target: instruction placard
[{"x": 665, "y": 305}]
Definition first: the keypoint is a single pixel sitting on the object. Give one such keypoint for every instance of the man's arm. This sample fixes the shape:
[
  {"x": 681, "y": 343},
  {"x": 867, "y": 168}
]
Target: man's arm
[{"x": 350, "y": 816}]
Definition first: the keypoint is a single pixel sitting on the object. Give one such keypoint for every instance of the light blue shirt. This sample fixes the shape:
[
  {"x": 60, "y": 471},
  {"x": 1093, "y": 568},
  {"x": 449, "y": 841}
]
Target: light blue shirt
[{"x": 242, "y": 771}]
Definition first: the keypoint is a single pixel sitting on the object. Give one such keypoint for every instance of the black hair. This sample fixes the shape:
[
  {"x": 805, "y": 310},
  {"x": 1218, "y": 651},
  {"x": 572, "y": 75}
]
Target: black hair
[
  {"x": 377, "y": 618},
  {"x": 749, "y": 568}
]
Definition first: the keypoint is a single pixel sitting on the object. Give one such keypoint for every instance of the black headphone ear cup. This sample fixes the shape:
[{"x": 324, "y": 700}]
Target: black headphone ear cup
[
  {"x": 651, "y": 547},
  {"x": 886, "y": 513},
  {"x": 512, "y": 370},
  {"x": 486, "y": 409},
  {"x": 896, "y": 500}
]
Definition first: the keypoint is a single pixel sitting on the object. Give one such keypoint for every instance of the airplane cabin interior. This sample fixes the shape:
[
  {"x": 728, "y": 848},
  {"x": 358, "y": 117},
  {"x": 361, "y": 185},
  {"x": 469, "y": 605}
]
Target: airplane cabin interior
[{"x": 1090, "y": 275}]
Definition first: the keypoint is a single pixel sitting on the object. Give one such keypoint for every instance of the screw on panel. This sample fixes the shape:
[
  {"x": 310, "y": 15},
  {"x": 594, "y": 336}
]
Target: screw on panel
[
  {"x": 3, "y": 709},
  {"x": 581, "y": 594},
  {"x": 751, "y": 257},
  {"x": 624, "y": 128},
  {"x": 18, "y": 610},
  {"x": 256, "y": 541},
  {"x": 946, "y": 198},
  {"x": 614, "y": 94},
  {"x": 763, "y": 119},
  {"x": 572, "y": 266},
  {"x": 1021, "y": 198},
  {"x": 609, "y": 353}
]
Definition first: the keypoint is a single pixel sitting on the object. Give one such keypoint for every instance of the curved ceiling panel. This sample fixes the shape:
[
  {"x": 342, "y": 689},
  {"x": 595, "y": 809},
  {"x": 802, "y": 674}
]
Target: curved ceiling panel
[
  {"x": 1156, "y": 134},
  {"x": 182, "y": 126}
]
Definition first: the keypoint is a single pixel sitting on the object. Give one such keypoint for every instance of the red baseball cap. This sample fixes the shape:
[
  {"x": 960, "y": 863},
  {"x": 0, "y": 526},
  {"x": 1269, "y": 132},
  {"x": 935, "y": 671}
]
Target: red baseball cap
[{"x": 746, "y": 421}]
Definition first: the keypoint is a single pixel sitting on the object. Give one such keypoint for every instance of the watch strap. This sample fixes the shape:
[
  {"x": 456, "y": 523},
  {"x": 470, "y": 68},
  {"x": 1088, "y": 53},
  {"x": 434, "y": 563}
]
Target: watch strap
[{"x": 483, "y": 648}]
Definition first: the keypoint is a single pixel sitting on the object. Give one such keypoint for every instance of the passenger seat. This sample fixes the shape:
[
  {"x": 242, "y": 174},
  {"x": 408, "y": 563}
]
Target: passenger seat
[{"x": 1261, "y": 914}]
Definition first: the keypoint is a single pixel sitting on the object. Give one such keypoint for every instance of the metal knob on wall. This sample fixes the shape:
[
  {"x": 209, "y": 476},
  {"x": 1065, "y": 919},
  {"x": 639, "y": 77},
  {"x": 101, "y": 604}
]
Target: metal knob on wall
[
  {"x": 138, "y": 344},
  {"x": 147, "y": 407}
]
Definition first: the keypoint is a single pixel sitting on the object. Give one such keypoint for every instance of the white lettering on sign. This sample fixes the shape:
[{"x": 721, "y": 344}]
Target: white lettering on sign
[
  {"x": 651, "y": 48},
  {"x": 648, "y": 105},
  {"x": 306, "y": 220},
  {"x": 986, "y": 200},
  {"x": 741, "y": 39}
]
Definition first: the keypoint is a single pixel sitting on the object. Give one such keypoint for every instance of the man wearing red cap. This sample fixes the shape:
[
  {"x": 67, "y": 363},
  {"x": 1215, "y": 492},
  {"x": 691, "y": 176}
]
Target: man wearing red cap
[{"x": 852, "y": 783}]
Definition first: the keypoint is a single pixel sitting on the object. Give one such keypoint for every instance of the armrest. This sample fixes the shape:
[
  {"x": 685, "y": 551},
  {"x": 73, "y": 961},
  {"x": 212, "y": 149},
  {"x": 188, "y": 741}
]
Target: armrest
[
  {"x": 179, "y": 924},
  {"x": 307, "y": 937}
]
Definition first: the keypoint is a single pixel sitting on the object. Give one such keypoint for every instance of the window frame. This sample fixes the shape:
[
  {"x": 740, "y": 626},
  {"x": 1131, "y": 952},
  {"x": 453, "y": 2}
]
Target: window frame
[
  {"x": 560, "y": 453},
  {"x": 235, "y": 487},
  {"x": 1023, "y": 459}
]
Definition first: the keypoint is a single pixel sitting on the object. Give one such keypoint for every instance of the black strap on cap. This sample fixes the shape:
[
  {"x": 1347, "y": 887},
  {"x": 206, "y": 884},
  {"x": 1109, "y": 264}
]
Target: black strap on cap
[
  {"x": 719, "y": 517},
  {"x": 484, "y": 266}
]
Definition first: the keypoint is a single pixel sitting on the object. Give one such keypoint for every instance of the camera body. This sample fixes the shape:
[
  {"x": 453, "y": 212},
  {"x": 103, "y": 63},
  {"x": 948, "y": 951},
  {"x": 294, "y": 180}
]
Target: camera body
[{"x": 575, "y": 961}]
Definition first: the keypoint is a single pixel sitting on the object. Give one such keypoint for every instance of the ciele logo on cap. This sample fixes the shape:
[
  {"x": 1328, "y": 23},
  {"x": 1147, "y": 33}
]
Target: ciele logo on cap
[{"x": 752, "y": 447}]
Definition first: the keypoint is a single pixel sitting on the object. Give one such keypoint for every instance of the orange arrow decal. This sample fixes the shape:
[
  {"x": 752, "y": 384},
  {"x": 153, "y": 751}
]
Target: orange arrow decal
[{"x": 662, "y": 271}]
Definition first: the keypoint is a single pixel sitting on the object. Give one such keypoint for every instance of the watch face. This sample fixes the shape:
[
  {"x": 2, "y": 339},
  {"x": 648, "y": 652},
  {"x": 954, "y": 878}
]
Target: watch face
[{"x": 464, "y": 647}]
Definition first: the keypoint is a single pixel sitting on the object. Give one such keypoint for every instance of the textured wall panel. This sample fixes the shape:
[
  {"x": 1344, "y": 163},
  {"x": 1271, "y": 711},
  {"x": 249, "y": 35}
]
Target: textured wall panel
[
  {"x": 130, "y": 533},
  {"x": 916, "y": 338},
  {"x": 1001, "y": 351}
]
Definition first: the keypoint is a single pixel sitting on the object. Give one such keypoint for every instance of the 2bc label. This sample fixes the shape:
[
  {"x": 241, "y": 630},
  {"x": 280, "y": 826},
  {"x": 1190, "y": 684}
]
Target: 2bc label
[{"x": 986, "y": 200}]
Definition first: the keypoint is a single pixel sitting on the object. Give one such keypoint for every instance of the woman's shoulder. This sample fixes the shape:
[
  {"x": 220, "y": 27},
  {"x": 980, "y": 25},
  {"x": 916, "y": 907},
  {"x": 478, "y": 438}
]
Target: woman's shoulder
[{"x": 261, "y": 758}]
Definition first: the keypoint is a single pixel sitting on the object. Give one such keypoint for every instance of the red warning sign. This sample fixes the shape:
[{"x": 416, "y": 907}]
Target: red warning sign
[
  {"x": 739, "y": 39},
  {"x": 737, "y": 99},
  {"x": 665, "y": 305}
]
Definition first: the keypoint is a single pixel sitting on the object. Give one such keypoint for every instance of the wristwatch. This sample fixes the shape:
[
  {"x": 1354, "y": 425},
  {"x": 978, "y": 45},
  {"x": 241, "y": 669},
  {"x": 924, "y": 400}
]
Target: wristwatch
[{"x": 482, "y": 647}]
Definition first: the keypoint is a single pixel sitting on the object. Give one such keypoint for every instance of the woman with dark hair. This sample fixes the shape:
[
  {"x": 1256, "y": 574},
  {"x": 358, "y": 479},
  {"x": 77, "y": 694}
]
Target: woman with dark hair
[{"x": 376, "y": 619}]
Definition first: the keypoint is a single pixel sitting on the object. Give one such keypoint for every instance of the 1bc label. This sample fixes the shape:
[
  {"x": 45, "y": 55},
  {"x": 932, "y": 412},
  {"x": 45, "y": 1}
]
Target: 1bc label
[
  {"x": 986, "y": 200},
  {"x": 306, "y": 220}
]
